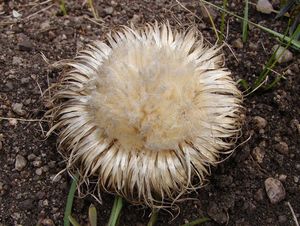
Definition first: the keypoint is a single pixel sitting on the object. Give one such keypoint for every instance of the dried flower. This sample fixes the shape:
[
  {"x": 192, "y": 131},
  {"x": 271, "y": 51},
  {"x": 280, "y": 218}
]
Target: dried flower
[{"x": 147, "y": 112}]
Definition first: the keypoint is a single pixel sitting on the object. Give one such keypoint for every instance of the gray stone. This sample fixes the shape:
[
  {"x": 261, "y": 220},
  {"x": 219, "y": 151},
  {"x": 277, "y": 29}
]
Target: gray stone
[
  {"x": 109, "y": 10},
  {"x": 20, "y": 163},
  {"x": 17, "y": 108},
  {"x": 275, "y": 190},
  {"x": 264, "y": 6},
  {"x": 39, "y": 171},
  {"x": 17, "y": 60}
]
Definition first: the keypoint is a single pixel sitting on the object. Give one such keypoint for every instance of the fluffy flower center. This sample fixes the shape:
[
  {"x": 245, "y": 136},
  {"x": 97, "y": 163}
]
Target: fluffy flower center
[{"x": 146, "y": 96}]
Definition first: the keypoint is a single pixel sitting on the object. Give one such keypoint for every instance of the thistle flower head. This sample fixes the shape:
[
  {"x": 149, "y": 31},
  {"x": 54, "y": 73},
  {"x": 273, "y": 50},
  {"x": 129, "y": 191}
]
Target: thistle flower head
[{"x": 147, "y": 111}]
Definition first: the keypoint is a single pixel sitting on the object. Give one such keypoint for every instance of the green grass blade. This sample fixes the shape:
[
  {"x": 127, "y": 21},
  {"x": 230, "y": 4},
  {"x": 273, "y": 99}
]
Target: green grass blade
[
  {"x": 94, "y": 12},
  {"x": 243, "y": 83},
  {"x": 294, "y": 42},
  {"x": 212, "y": 23},
  {"x": 272, "y": 62},
  {"x": 197, "y": 222},
  {"x": 73, "y": 221},
  {"x": 153, "y": 218},
  {"x": 92, "y": 215},
  {"x": 69, "y": 204},
  {"x": 115, "y": 212},
  {"x": 62, "y": 7},
  {"x": 245, "y": 21}
]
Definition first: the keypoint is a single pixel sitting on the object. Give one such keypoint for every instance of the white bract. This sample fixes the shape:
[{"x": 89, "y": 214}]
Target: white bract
[{"x": 146, "y": 112}]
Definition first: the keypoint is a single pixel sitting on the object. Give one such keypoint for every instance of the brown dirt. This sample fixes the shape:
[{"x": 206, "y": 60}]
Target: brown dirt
[{"x": 235, "y": 194}]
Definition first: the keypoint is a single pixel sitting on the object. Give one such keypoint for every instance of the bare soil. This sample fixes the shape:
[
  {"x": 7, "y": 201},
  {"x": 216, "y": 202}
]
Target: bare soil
[{"x": 235, "y": 193}]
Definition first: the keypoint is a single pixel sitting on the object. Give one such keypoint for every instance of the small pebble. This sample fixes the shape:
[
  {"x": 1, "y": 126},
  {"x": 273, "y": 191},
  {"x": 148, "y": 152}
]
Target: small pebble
[
  {"x": 295, "y": 125},
  {"x": 285, "y": 54},
  {"x": 259, "y": 195},
  {"x": 260, "y": 122},
  {"x": 9, "y": 85},
  {"x": 238, "y": 43},
  {"x": 264, "y": 6},
  {"x": 282, "y": 219},
  {"x": 109, "y": 10},
  {"x": 275, "y": 190},
  {"x": 282, "y": 148},
  {"x": 253, "y": 46},
  {"x": 13, "y": 122},
  {"x": 47, "y": 222},
  {"x": 17, "y": 60},
  {"x": 282, "y": 177},
  {"x": 45, "y": 25},
  {"x": 39, "y": 171},
  {"x": 37, "y": 163},
  {"x": 17, "y": 108},
  {"x": 56, "y": 178},
  {"x": 296, "y": 179},
  {"x": 258, "y": 154},
  {"x": 31, "y": 157},
  {"x": 25, "y": 80},
  {"x": 20, "y": 163}
]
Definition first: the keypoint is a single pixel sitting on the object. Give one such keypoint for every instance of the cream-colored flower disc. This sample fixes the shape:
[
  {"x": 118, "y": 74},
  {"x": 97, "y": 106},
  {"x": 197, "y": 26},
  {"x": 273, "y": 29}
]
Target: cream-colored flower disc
[{"x": 146, "y": 112}]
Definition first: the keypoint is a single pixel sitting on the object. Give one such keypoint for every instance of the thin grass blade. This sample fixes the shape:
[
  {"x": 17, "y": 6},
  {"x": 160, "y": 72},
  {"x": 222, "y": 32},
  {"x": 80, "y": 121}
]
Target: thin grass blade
[
  {"x": 245, "y": 21},
  {"x": 294, "y": 42},
  {"x": 115, "y": 212},
  {"x": 92, "y": 215},
  {"x": 73, "y": 221},
  {"x": 69, "y": 204},
  {"x": 153, "y": 218},
  {"x": 62, "y": 7}
]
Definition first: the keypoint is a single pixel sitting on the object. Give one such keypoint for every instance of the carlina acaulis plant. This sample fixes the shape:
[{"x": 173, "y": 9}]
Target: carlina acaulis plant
[{"x": 146, "y": 113}]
